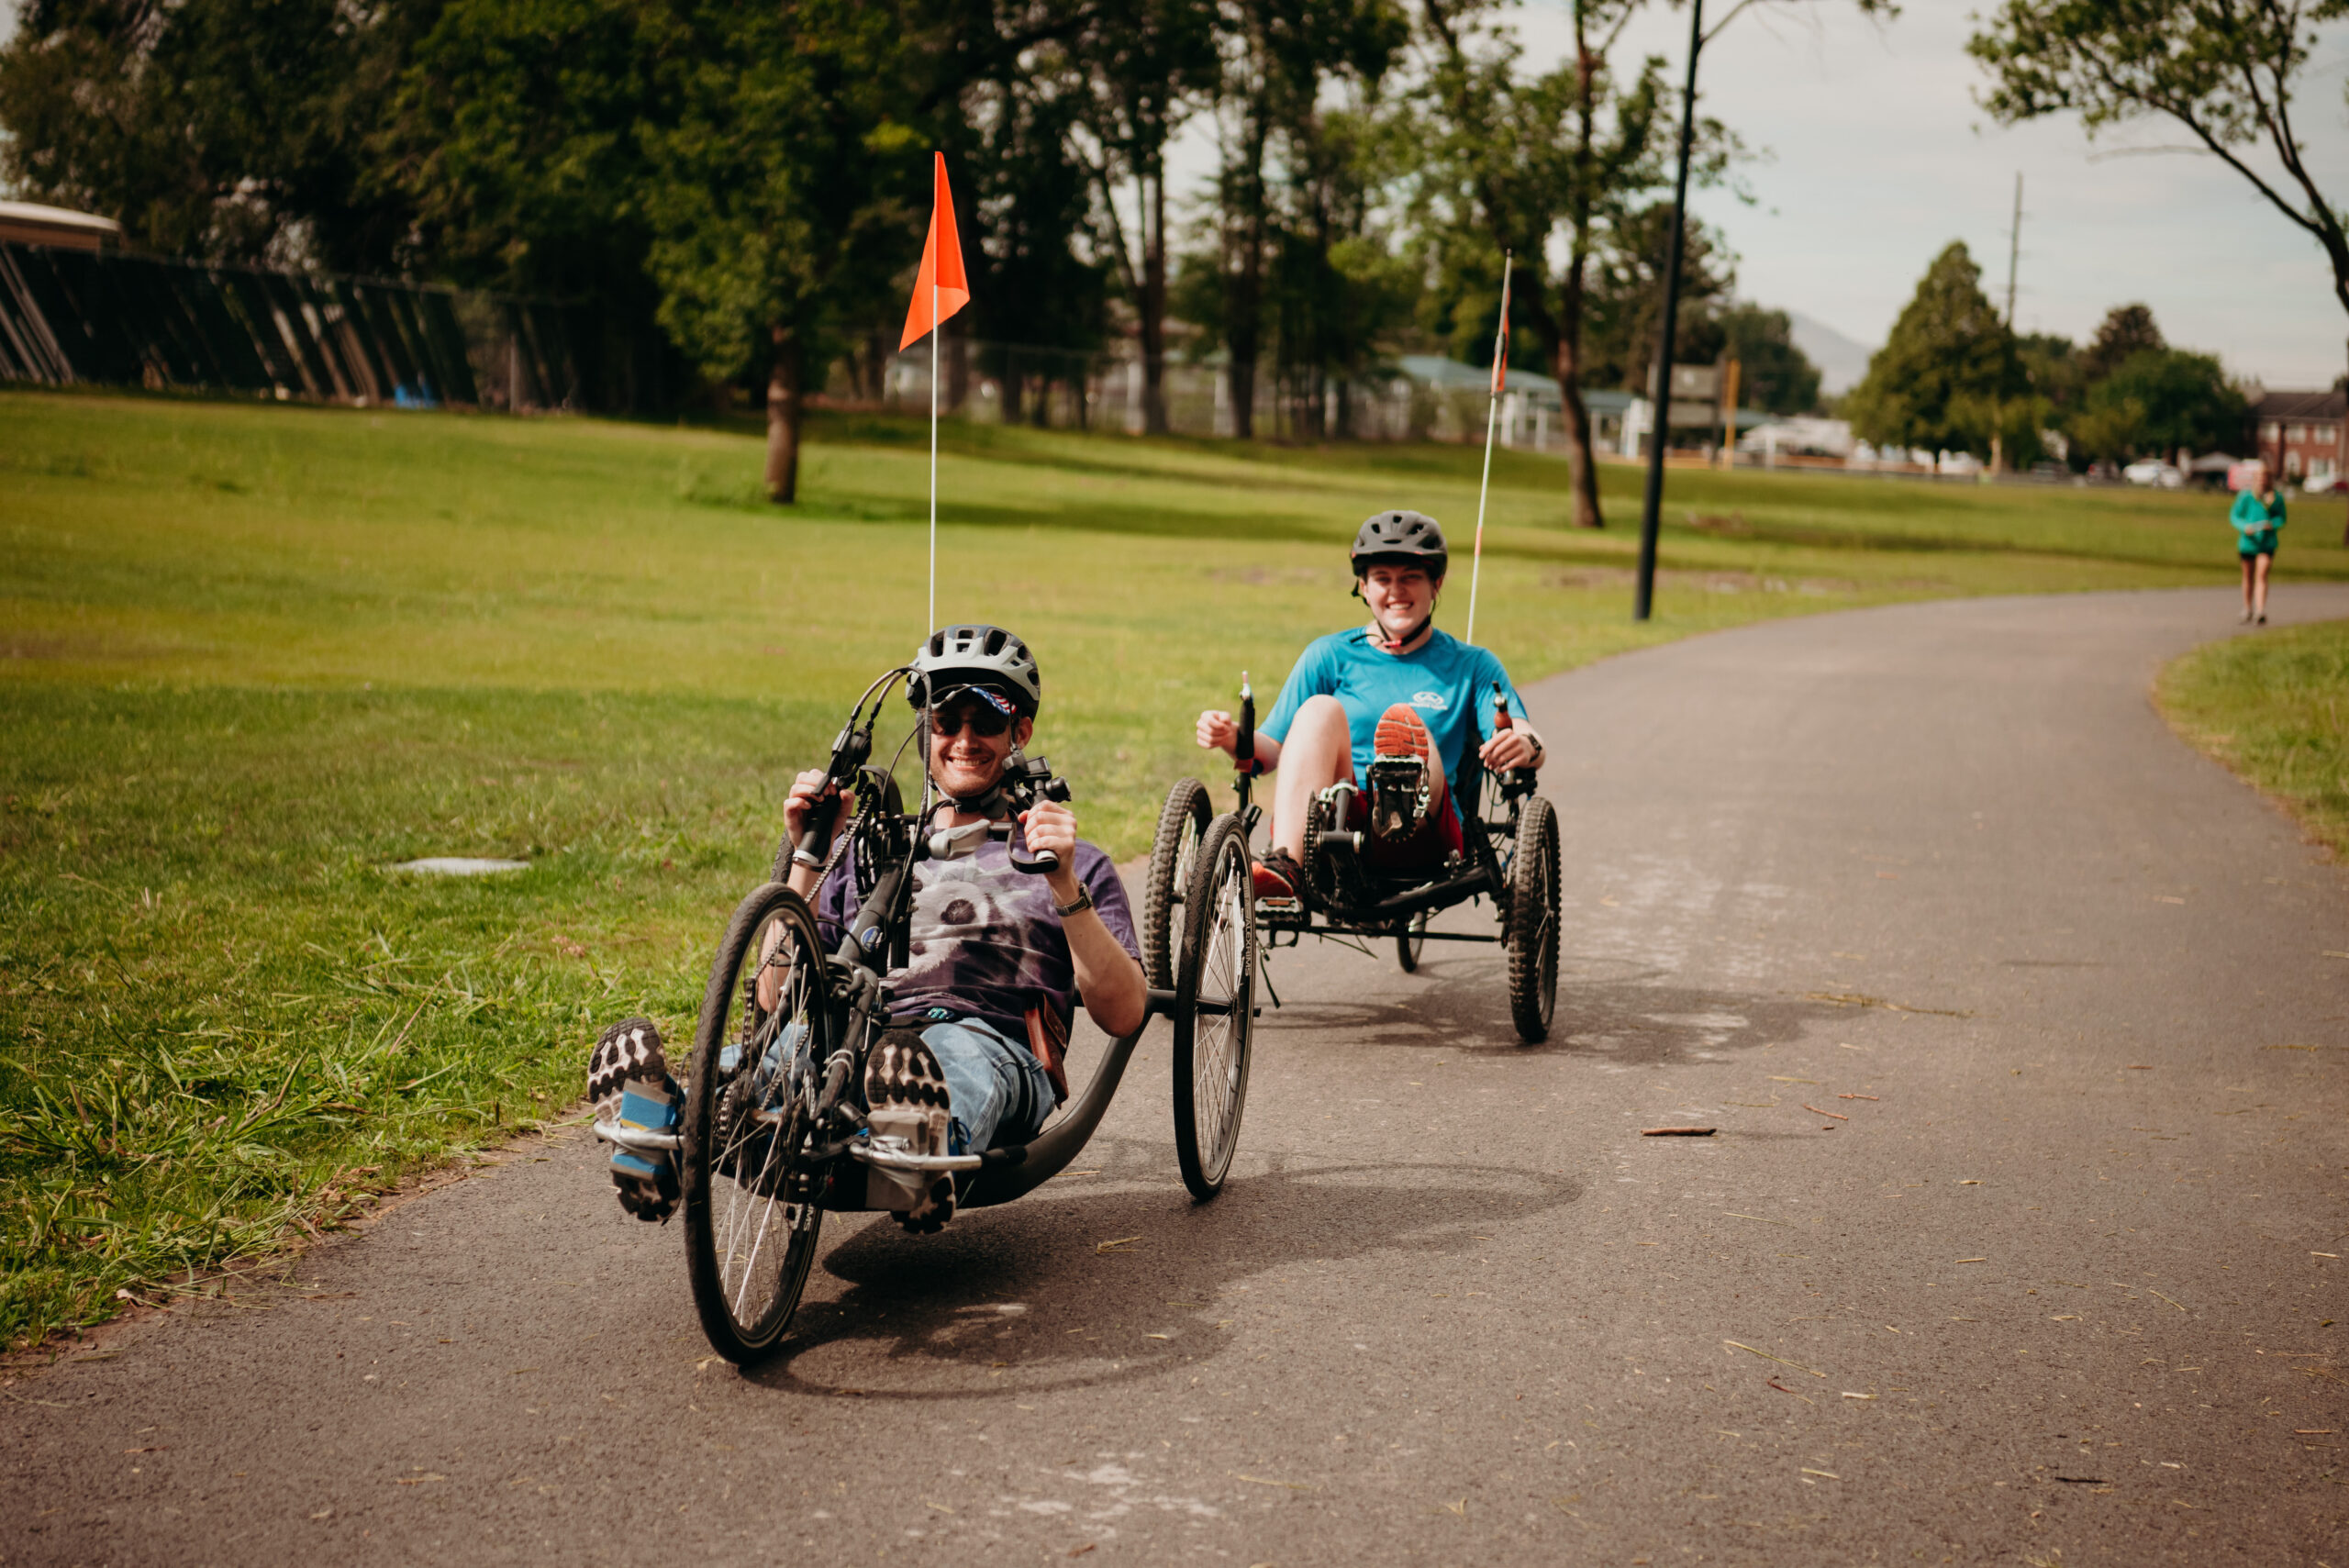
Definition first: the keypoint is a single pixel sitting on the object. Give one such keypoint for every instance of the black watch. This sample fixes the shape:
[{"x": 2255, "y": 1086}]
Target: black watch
[{"x": 1083, "y": 900}]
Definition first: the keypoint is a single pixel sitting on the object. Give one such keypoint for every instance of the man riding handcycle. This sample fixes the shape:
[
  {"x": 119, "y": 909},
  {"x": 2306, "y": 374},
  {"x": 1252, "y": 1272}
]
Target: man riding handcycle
[{"x": 885, "y": 1024}]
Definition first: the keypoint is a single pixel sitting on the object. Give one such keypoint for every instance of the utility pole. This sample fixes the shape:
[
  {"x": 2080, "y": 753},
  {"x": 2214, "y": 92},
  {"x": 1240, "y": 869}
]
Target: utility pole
[
  {"x": 1652, "y": 513},
  {"x": 2014, "y": 250}
]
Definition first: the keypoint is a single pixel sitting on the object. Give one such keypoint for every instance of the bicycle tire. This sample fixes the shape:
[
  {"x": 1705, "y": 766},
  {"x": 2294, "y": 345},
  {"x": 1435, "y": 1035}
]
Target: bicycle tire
[
  {"x": 1533, "y": 921},
  {"x": 1411, "y": 942},
  {"x": 1172, "y": 851},
  {"x": 1219, "y": 958},
  {"x": 751, "y": 1218}
]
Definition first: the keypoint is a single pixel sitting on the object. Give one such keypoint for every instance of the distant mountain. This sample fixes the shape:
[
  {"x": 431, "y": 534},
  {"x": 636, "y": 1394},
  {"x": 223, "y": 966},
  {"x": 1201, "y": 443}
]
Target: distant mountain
[{"x": 1841, "y": 363}]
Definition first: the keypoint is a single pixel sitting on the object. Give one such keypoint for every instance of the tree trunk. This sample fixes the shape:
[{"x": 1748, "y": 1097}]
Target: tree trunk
[
  {"x": 1582, "y": 466},
  {"x": 1153, "y": 304},
  {"x": 1244, "y": 285},
  {"x": 784, "y": 382}
]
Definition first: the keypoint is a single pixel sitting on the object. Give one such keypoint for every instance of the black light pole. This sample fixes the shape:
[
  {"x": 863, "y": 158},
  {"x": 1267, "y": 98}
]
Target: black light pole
[{"x": 1660, "y": 392}]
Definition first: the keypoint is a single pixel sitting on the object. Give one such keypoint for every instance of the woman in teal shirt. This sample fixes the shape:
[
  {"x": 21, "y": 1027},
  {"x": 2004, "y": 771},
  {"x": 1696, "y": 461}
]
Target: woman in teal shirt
[{"x": 2259, "y": 512}]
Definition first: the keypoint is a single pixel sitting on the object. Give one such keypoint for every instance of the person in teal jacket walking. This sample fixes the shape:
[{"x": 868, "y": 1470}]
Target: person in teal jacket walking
[{"x": 2258, "y": 514}]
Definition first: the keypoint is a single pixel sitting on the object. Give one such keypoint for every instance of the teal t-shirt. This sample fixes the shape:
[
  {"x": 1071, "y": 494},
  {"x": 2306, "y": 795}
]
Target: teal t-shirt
[
  {"x": 1447, "y": 680},
  {"x": 2256, "y": 522}
]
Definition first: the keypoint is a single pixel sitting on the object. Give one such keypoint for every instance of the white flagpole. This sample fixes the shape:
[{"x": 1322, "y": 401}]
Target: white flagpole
[
  {"x": 931, "y": 625},
  {"x": 1492, "y": 412}
]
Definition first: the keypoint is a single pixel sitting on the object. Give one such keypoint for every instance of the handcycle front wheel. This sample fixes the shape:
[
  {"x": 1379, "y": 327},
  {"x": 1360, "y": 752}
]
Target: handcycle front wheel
[
  {"x": 1182, "y": 821},
  {"x": 751, "y": 1213},
  {"x": 1215, "y": 1008},
  {"x": 1533, "y": 921}
]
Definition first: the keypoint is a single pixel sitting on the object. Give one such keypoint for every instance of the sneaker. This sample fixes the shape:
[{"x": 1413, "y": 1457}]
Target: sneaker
[
  {"x": 2261, "y": 617},
  {"x": 1404, "y": 771},
  {"x": 1278, "y": 876},
  {"x": 906, "y": 1098},
  {"x": 628, "y": 1079}
]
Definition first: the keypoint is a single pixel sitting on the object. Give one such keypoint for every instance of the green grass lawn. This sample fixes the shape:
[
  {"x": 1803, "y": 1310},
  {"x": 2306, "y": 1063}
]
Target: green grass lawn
[
  {"x": 250, "y": 656},
  {"x": 2274, "y": 705}
]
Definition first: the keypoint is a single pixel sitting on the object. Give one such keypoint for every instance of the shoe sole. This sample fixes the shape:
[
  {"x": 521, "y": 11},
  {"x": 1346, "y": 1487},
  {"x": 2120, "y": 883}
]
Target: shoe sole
[
  {"x": 629, "y": 1052},
  {"x": 905, "y": 1096}
]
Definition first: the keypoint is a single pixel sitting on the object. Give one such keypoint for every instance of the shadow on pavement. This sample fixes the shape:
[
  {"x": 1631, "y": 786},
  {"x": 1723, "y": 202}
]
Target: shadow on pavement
[
  {"x": 1069, "y": 1289},
  {"x": 1605, "y": 1010}
]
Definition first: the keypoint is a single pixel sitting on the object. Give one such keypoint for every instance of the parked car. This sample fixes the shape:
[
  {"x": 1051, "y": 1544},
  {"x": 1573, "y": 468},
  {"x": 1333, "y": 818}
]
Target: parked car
[
  {"x": 2323, "y": 484},
  {"x": 2154, "y": 470}
]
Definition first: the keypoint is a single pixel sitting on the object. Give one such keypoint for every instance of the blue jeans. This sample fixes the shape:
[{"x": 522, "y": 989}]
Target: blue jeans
[{"x": 995, "y": 1088}]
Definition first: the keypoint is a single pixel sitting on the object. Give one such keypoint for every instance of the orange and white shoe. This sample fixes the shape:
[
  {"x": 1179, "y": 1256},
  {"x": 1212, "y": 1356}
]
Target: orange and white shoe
[{"x": 1406, "y": 789}]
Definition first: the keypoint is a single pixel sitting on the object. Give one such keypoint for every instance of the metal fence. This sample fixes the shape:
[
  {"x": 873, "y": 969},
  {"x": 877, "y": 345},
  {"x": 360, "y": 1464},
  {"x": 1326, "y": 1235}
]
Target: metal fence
[{"x": 69, "y": 316}]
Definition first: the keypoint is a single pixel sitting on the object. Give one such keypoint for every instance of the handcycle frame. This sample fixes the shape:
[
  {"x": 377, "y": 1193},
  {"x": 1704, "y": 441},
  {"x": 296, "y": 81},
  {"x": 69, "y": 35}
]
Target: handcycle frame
[
  {"x": 1512, "y": 857},
  {"x": 779, "y": 1116}
]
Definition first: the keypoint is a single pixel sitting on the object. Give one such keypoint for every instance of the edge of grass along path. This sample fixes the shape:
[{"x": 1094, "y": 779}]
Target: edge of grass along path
[
  {"x": 257, "y": 655},
  {"x": 2274, "y": 706}
]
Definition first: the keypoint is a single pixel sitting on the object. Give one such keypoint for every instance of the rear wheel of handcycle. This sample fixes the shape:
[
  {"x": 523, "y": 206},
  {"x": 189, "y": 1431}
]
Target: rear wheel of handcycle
[
  {"x": 751, "y": 1213},
  {"x": 1411, "y": 942},
  {"x": 1533, "y": 921},
  {"x": 1181, "y": 823},
  {"x": 1215, "y": 1008}
]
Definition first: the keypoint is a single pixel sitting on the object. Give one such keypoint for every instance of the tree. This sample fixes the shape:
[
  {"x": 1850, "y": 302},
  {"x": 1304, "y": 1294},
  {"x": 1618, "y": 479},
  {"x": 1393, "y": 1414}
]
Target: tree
[
  {"x": 2127, "y": 331},
  {"x": 1031, "y": 289},
  {"x": 1942, "y": 378},
  {"x": 2222, "y": 69},
  {"x": 782, "y": 188},
  {"x": 1626, "y": 298},
  {"x": 1143, "y": 65},
  {"x": 518, "y": 139},
  {"x": 1774, "y": 374},
  {"x": 233, "y": 129},
  {"x": 2160, "y": 400},
  {"x": 1519, "y": 159},
  {"x": 1289, "y": 164}
]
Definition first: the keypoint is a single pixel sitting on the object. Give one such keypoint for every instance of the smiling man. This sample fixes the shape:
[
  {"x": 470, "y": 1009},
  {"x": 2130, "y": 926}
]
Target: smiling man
[
  {"x": 1397, "y": 691},
  {"x": 997, "y": 957}
]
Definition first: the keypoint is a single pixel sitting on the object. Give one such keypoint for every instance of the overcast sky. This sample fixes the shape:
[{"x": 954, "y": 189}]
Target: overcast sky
[{"x": 1879, "y": 158}]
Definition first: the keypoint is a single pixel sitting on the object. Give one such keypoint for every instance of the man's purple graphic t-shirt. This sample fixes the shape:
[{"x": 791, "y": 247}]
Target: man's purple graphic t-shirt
[{"x": 986, "y": 941}]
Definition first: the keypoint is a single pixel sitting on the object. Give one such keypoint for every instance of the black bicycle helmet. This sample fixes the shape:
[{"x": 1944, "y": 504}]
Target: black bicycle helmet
[
  {"x": 1400, "y": 538},
  {"x": 970, "y": 655}
]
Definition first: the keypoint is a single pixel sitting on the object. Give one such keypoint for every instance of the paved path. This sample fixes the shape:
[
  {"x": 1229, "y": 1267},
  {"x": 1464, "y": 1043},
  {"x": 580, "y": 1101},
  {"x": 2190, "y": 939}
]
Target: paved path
[{"x": 2053, "y": 1292}]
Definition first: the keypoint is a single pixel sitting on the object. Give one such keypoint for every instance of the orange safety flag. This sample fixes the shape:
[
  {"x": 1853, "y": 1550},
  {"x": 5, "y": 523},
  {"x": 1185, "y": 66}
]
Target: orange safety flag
[
  {"x": 940, "y": 287},
  {"x": 1500, "y": 342}
]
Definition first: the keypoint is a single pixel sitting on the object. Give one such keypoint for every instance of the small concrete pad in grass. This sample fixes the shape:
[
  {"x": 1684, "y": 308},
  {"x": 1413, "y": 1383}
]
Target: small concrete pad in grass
[{"x": 459, "y": 865}]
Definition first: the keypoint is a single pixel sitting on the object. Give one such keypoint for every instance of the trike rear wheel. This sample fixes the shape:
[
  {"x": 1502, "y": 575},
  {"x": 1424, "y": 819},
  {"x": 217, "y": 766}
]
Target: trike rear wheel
[
  {"x": 751, "y": 1218},
  {"x": 1411, "y": 942},
  {"x": 1533, "y": 921},
  {"x": 1215, "y": 1008},
  {"x": 1181, "y": 822}
]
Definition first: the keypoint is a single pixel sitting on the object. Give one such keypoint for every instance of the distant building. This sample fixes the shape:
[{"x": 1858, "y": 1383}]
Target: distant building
[
  {"x": 2303, "y": 435},
  {"x": 1448, "y": 400},
  {"x": 62, "y": 229}
]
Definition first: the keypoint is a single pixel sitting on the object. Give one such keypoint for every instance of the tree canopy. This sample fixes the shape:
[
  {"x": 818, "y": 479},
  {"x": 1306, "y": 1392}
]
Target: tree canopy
[{"x": 1940, "y": 378}]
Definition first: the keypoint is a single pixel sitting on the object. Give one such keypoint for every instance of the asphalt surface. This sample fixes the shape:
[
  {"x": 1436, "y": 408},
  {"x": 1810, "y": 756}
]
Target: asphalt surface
[{"x": 2027, "y": 1033}]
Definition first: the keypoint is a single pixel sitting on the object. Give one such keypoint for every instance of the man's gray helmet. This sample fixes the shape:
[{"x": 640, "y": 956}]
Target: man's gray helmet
[
  {"x": 1400, "y": 538},
  {"x": 958, "y": 656}
]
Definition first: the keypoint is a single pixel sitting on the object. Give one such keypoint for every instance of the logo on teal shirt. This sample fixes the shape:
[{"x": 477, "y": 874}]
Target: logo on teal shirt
[{"x": 1434, "y": 700}]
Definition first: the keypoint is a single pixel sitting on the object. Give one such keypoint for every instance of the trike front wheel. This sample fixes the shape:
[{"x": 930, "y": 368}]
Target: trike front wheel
[
  {"x": 1533, "y": 921},
  {"x": 1215, "y": 1008},
  {"x": 752, "y": 1209}
]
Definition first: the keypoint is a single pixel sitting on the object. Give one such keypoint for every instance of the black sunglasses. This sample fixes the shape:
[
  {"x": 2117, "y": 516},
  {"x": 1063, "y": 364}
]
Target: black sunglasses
[{"x": 978, "y": 718}]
